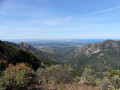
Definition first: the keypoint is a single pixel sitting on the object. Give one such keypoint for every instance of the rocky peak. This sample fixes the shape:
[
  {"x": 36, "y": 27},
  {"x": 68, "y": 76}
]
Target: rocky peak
[
  {"x": 24, "y": 44},
  {"x": 100, "y": 47},
  {"x": 28, "y": 47}
]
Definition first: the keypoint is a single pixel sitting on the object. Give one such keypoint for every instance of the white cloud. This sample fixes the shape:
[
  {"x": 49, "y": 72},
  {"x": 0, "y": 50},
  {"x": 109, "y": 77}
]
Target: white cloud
[{"x": 102, "y": 11}]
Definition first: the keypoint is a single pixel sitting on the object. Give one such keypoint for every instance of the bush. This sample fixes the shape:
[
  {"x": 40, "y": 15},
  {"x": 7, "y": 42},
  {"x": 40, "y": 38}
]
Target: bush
[
  {"x": 88, "y": 76},
  {"x": 3, "y": 65},
  {"x": 16, "y": 77},
  {"x": 103, "y": 84},
  {"x": 55, "y": 74},
  {"x": 111, "y": 81}
]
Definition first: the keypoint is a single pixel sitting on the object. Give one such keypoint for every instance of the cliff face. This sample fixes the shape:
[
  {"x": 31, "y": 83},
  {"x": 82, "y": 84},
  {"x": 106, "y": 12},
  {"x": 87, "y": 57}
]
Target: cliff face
[{"x": 28, "y": 47}]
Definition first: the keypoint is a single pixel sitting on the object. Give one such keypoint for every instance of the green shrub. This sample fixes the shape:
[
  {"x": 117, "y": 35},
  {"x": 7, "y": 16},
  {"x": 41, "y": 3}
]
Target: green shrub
[
  {"x": 61, "y": 88},
  {"x": 16, "y": 77},
  {"x": 103, "y": 84},
  {"x": 88, "y": 76},
  {"x": 110, "y": 82},
  {"x": 77, "y": 79},
  {"x": 55, "y": 74}
]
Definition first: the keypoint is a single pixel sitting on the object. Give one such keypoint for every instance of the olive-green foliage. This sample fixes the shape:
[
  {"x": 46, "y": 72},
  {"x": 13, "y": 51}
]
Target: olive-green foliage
[
  {"x": 108, "y": 56},
  {"x": 110, "y": 82},
  {"x": 103, "y": 84},
  {"x": 88, "y": 76},
  {"x": 61, "y": 88},
  {"x": 112, "y": 72},
  {"x": 55, "y": 74},
  {"x": 14, "y": 55},
  {"x": 16, "y": 77}
]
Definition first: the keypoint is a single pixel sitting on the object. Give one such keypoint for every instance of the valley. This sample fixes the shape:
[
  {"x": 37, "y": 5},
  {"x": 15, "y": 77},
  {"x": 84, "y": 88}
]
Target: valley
[
  {"x": 60, "y": 65},
  {"x": 104, "y": 54}
]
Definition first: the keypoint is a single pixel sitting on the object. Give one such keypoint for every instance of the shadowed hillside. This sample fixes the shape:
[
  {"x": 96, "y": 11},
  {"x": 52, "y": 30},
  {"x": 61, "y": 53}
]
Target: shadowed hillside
[{"x": 14, "y": 55}]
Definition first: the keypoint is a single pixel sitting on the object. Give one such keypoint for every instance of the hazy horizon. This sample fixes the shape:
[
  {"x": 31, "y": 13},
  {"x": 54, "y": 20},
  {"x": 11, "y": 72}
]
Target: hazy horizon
[{"x": 52, "y": 40}]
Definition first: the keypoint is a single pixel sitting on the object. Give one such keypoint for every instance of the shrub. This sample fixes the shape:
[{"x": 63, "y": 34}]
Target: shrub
[
  {"x": 103, "y": 84},
  {"x": 3, "y": 65},
  {"x": 55, "y": 74},
  {"x": 77, "y": 79},
  {"x": 88, "y": 76},
  {"x": 111, "y": 81},
  {"x": 16, "y": 77}
]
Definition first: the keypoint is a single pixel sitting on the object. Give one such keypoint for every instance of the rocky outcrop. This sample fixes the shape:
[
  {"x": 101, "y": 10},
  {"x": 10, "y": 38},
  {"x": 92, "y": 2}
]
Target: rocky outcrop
[
  {"x": 28, "y": 47},
  {"x": 101, "y": 47},
  {"x": 100, "y": 56}
]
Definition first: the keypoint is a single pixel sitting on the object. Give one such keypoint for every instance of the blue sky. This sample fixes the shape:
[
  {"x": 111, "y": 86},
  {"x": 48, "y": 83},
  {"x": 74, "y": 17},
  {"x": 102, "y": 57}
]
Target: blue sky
[{"x": 59, "y": 19}]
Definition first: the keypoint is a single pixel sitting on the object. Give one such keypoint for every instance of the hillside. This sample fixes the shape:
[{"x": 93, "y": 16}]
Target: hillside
[
  {"x": 53, "y": 52},
  {"x": 58, "y": 48},
  {"x": 100, "y": 55},
  {"x": 25, "y": 71},
  {"x": 14, "y": 55},
  {"x": 38, "y": 53}
]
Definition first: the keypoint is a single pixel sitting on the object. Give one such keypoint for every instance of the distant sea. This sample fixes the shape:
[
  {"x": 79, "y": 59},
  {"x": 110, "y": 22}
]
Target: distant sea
[
  {"x": 89, "y": 40},
  {"x": 49, "y": 40}
]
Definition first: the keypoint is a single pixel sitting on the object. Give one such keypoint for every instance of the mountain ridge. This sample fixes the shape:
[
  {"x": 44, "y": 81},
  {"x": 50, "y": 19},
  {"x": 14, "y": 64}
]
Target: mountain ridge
[
  {"x": 101, "y": 55},
  {"x": 28, "y": 47},
  {"x": 105, "y": 54},
  {"x": 15, "y": 55},
  {"x": 98, "y": 47}
]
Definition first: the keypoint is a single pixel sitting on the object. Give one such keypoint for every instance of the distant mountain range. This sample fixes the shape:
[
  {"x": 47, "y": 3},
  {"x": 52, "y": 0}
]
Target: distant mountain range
[
  {"x": 59, "y": 51},
  {"x": 100, "y": 56}
]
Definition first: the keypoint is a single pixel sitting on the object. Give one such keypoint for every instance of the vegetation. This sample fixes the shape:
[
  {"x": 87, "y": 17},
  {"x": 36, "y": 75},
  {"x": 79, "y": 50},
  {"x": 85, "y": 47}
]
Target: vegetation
[
  {"x": 21, "y": 69},
  {"x": 16, "y": 77},
  {"x": 3, "y": 65},
  {"x": 56, "y": 74},
  {"x": 88, "y": 77},
  {"x": 14, "y": 55},
  {"x": 100, "y": 56},
  {"x": 18, "y": 69}
]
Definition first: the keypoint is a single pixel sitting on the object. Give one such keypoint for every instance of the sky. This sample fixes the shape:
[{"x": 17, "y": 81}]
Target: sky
[{"x": 59, "y": 19}]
